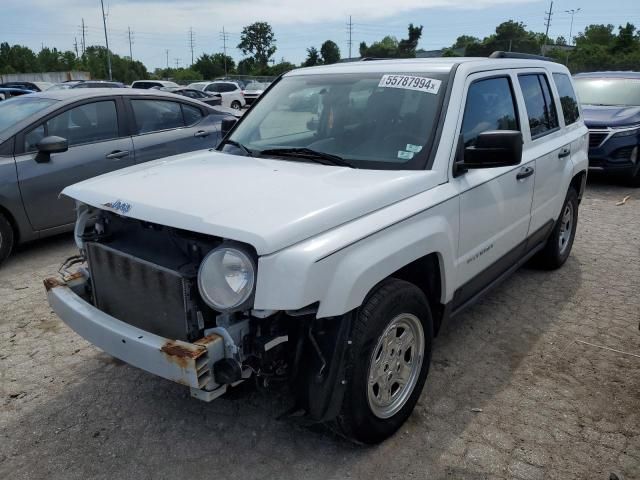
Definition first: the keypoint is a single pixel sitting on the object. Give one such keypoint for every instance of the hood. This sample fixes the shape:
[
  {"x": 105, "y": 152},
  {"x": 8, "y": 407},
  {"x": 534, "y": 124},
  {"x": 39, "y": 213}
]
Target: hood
[
  {"x": 596, "y": 116},
  {"x": 267, "y": 203}
]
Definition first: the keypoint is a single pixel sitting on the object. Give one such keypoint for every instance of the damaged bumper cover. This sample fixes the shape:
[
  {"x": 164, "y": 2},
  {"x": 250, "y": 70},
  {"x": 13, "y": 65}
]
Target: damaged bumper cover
[{"x": 189, "y": 364}]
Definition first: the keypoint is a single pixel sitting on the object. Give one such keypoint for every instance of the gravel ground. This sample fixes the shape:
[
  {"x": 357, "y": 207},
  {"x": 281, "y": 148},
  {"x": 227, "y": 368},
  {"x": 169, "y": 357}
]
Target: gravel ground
[{"x": 512, "y": 392}]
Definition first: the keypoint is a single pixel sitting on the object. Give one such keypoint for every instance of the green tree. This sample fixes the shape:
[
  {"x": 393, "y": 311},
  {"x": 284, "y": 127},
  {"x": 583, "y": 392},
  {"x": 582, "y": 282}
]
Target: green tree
[
  {"x": 385, "y": 48},
  {"x": 186, "y": 75},
  {"x": 212, "y": 66},
  {"x": 258, "y": 41},
  {"x": 247, "y": 66},
  {"x": 280, "y": 68},
  {"x": 330, "y": 52},
  {"x": 407, "y": 47},
  {"x": 313, "y": 57}
]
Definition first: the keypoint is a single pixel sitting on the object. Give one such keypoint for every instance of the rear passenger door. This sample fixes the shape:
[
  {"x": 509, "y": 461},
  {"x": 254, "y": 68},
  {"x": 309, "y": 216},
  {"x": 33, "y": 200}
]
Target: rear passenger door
[
  {"x": 98, "y": 143},
  {"x": 165, "y": 127},
  {"x": 495, "y": 203},
  {"x": 548, "y": 146}
]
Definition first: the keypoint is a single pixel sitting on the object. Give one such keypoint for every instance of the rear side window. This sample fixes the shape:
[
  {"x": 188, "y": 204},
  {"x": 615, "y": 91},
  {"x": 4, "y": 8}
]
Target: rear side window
[
  {"x": 541, "y": 109},
  {"x": 568, "y": 99},
  {"x": 490, "y": 106},
  {"x": 155, "y": 115}
]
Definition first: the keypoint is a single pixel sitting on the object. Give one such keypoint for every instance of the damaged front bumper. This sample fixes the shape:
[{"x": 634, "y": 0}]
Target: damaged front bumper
[{"x": 189, "y": 364}]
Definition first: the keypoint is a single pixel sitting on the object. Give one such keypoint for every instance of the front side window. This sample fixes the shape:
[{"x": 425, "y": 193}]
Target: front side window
[
  {"x": 192, "y": 115},
  {"x": 17, "y": 109},
  {"x": 541, "y": 109},
  {"x": 371, "y": 120},
  {"x": 156, "y": 115},
  {"x": 568, "y": 100},
  {"x": 490, "y": 106},
  {"x": 92, "y": 122},
  {"x": 32, "y": 138}
]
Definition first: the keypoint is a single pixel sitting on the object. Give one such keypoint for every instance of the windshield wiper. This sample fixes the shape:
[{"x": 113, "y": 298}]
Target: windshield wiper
[
  {"x": 240, "y": 146},
  {"x": 308, "y": 154}
]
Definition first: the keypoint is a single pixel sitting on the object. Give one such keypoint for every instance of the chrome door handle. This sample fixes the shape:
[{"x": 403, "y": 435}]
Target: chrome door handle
[
  {"x": 201, "y": 134},
  {"x": 524, "y": 173},
  {"x": 117, "y": 154}
]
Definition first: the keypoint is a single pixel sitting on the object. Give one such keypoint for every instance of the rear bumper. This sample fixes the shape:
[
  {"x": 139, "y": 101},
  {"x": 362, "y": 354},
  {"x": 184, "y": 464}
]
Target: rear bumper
[{"x": 189, "y": 364}]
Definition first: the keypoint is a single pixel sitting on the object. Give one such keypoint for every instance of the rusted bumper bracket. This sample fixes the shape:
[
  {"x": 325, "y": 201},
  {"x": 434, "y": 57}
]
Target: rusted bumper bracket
[{"x": 186, "y": 363}]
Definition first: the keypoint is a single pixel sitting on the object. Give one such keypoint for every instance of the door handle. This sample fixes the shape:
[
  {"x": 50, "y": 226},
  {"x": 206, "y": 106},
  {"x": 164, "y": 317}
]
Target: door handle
[
  {"x": 524, "y": 173},
  {"x": 115, "y": 155},
  {"x": 565, "y": 152},
  {"x": 201, "y": 134}
]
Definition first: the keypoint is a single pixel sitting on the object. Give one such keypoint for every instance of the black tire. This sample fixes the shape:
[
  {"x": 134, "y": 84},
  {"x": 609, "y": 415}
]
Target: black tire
[
  {"x": 390, "y": 299},
  {"x": 6, "y": 238},
  {"x": 634, "y": 180},
  {"x": 236, "y": 105},
  {"x": 555, "y": 253}
]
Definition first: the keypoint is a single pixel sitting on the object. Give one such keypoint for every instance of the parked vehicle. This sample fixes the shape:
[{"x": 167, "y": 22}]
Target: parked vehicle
[
  {"x": 86, "y": 84},
  {"x": 230, "y": 92},
  {"x": 7, "y": 93},
  {"x": 146, "y": 84},
  {"x": 253, "y": 90},
  {"x": 210, "y": 98},
  {"x": 33, "y": 86},
  {"x": 52, "y": 139},
  {"x": 611, "y": 105},
  {"x": 327, "y": 247}
]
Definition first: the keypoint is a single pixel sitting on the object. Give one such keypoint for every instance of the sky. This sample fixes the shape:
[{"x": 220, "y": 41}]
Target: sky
[{"x": 161, "y": 25}]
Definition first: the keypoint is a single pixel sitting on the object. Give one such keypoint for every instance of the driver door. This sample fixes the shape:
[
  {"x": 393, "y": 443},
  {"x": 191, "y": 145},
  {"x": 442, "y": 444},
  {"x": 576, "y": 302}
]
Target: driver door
[{"x": 96, "y": 146}]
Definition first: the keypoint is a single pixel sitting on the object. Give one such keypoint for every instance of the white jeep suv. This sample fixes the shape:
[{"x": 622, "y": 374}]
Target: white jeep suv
[{"x": 351, "y": 212}]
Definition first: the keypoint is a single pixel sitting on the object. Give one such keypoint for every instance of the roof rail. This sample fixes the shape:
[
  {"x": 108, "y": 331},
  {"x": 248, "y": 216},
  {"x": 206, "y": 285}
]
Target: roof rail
[{"x": 524, "y": 56}]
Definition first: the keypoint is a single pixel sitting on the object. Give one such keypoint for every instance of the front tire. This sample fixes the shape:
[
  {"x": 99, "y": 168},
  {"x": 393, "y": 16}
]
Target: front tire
[
  {"x": 559, "y": 244},
  {"x": 236, "y": 105},
  {"x": 392, "y": 339},
  {"x": 6, "y": 238}
]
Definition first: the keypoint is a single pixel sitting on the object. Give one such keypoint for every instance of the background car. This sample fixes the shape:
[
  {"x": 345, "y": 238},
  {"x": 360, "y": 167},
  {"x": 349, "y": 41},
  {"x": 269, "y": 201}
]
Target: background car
[
  {"x": 230, "y": 92},
  {"x": 33, "y": 86},
  {"x": 49, "y": 140},
  {"x": 253, "y": 90},
  {"x": 7, "y": 93},
  {"x": 210, "y": 98},
  {"x": 86, "y": 84},
  {"x": 145, "y": 84},
  {"x": 611, "y": 107}
]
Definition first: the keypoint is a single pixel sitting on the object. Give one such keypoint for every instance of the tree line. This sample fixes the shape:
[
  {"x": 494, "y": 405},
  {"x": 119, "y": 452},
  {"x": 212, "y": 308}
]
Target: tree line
[{"x": 598, "y": 47}]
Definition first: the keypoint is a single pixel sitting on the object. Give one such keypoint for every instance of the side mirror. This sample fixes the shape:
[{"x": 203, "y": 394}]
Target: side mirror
[
  {"x": 52, "y": 144},
  {"x": 227, "y": 125},
  {"x": 492, "y": 149}
]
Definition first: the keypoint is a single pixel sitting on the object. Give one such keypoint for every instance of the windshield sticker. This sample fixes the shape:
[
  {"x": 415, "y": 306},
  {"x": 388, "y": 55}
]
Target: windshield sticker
[
  {"x": 413, "y": 148},
  {"x": 405, "y": 155},
  {"x": 409, "y": 82}
]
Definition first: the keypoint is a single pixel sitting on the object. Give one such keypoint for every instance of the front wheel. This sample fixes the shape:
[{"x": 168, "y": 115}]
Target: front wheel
[
  {"x": 392, "y": 340},
  {"x": 236, "y": 105},
  {"x": 6, "y": 238}
]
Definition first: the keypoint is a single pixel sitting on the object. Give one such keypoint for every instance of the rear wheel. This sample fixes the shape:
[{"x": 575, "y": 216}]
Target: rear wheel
[
  {"x": 6, "y": 238},
  {"x": 559, "y": 244},
  {"x": 391, "y": 354},
  {"x": 236, "y": 105}
]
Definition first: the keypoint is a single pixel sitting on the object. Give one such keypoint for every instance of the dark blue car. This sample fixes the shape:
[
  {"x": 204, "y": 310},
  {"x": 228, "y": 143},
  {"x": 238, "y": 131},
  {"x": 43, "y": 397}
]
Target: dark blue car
[{"x": 611, "y": 106}]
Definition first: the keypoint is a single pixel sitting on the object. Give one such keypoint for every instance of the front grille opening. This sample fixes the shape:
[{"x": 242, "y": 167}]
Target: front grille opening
[
  {"x": 596, "y": 138},
  {"x": 623, "y": 153}
]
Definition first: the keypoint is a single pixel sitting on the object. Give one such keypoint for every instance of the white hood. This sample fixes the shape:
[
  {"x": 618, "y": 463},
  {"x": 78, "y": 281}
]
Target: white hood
[{"x": 267, "y": 203}]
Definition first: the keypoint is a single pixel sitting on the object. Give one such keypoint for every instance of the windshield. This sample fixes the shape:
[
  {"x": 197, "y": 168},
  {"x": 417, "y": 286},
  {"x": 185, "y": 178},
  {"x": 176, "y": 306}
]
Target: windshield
[
  {"x": 608, "y": 91},
  {"x": 370, "y": 120},
  {"x": 197, "y": 85},
  {"x": 16, "y": 109}
]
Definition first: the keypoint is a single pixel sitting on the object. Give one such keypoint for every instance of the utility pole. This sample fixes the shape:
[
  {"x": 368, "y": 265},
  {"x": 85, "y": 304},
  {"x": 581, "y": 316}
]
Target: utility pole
[
  {"x": 571, "y": 12},
  {"x": 167, "y": 53},
  {"x": 84, "y": 42},
  {"x": 130, "y": 49},
  {"x": 75, "y": 45},
  {"x": 224, "y": 36},
  {"x": 106, "y": 39},
  {"x": 177, "y": 60},
  {"x": 192, "y": 44},
  {"x": 350, "y": 26},
  {"x": 547, "y": 23}
]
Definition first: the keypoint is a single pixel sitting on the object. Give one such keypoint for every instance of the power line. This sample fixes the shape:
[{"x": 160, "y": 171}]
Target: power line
[{"x": 192, "y": 43}]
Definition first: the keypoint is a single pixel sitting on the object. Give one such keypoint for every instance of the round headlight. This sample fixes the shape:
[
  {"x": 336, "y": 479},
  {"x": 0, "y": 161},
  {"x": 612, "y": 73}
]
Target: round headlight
[{"x": 226, "y": 278}]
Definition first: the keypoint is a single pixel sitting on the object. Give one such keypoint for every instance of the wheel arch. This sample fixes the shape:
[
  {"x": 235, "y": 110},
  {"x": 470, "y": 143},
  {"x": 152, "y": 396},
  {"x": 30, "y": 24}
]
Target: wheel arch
[
  {"x": 579, "y": 182},
  {"x": 12, "y": 221}
]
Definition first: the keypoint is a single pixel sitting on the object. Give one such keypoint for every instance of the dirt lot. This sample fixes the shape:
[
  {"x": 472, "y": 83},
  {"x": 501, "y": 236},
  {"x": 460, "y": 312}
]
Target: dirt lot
[{"x": 511, "y": 394}]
